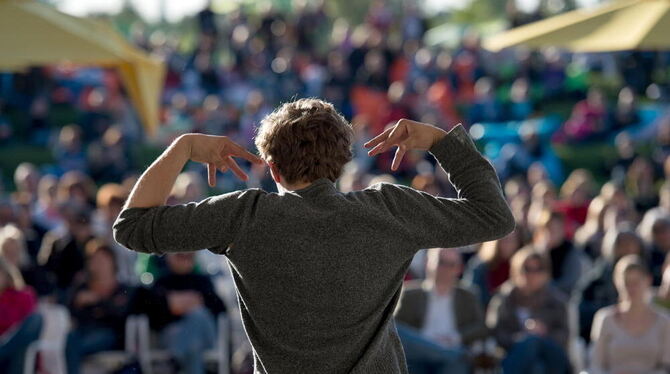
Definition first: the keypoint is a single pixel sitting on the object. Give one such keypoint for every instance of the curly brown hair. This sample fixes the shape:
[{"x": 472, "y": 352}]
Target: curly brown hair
[{"x": 306, "y": 139}]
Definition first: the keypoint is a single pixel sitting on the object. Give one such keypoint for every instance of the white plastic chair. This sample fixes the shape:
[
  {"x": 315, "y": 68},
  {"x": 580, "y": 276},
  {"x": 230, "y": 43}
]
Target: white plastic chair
[
  {"x": 108, "y": 360},
  {"x": 51, "y": 344},
  {"x": 52, "y": 341},
  {"x": 148, "y": 354}
]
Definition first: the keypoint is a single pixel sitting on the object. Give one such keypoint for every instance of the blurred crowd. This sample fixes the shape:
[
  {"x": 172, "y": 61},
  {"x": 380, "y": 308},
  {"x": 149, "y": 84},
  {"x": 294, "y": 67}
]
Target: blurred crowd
[{"x": 582, "y": 283}]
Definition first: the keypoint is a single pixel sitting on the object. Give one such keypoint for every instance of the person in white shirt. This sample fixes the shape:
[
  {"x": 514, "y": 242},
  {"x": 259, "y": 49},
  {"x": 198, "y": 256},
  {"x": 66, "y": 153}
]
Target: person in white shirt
[
  {"x": 440, "y": 324},
  {"x": 437, "y": 319}
]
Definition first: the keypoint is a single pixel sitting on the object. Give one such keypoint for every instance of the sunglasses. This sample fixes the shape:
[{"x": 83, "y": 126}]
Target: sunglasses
[{"x": 533, "y": 269}]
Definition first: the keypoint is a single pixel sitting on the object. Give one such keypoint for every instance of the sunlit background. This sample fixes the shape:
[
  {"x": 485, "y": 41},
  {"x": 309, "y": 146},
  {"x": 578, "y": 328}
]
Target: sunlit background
[{"x": 569, "y": 100}]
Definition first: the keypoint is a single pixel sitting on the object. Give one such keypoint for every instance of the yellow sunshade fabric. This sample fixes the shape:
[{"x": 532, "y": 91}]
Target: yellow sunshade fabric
[
  {"x": 33, "y": 33},
  {"x": 616, "y": 26}
]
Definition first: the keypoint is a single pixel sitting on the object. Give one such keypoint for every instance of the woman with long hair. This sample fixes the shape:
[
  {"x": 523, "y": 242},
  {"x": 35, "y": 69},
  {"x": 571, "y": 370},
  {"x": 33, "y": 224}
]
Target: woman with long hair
[
  {"x": 98, "y": 303},
  {"x": 20, "y": 325},
  {"x": 598, "y": 289},
  {"x": 631, "y": 336}
]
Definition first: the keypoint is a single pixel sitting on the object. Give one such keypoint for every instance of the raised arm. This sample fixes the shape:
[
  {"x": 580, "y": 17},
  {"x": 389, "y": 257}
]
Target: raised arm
[
  {"x": 479, "y": 214},
  {"x": 147, "y": 225},
  {"x": 217, "y": 152}
]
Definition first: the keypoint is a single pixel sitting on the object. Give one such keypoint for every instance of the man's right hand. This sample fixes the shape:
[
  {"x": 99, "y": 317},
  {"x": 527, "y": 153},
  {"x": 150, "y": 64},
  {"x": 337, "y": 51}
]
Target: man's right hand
[{"x": 406, "y": 135}]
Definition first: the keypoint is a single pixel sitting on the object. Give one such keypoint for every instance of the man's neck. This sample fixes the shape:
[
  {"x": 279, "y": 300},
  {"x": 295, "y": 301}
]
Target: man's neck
[{"x": 292, "y": 187}]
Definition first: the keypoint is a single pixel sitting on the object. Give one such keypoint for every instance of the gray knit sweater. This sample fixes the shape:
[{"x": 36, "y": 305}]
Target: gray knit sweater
[{"x": 319, "y": 272}]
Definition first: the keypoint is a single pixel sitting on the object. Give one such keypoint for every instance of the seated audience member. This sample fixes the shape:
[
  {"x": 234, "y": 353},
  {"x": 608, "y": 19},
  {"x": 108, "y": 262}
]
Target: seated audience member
[
  {"x": 614, "y": 193},
  {"x": 660, "y": 144},
  {"x": 640, "y": 180},
  {"x": 625, "y": 155},
  {"x": 529, "y": 317},
  {"x": 543, "y": 196},
  {"x": 109, "y": 201},
  {"x": 587, "y": 121},
  {"x": 633, "y": 335},
  {"x": 182, "y": 306},
  {"x": 489, "y": 269},
  {"x": 26, "y": 177},
  {"x": 437, "y": 319},
  {"x": 598, "y": 290},
  {"x": 69, "y": 151},
  {"x": 486, "y": 107},
  {"x": 567, "y": 263},
  {"x": 33, "y": 233},
  {"x": 13, "y": 248},
  {"x": 45, "y": 211},
  {"x": 520, "y": 106},
  {"x": 589, "y": 236},
  {"x": 575, "y": 196},
  {"x": 98, "y": 304},
  {"x": 109, "y": 155},
  {"x": 515, "y": 159},
  {"x": 663, "y": 208},
  {"x": 75, "y": 186},
  {"x": 625, "y": 113},
  {"x": 657, "y": 239},
  {"x": 20, "y": 324},
  {"x": 63, "y": 255}
]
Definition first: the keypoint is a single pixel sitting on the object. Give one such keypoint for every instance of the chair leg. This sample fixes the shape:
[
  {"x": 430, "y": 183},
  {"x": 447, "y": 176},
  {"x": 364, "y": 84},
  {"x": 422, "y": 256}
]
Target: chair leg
[
  {"x": 29, "y": 360},
  {"x": 144, "y": 349}
]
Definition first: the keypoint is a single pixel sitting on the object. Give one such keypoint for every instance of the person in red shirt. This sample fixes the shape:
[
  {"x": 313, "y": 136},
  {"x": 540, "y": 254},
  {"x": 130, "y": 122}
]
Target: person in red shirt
[{"x": 19, "y": 324}]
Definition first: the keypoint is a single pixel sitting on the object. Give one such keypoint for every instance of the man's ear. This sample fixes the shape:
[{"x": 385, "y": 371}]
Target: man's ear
[{"x": 274, "y": 172}]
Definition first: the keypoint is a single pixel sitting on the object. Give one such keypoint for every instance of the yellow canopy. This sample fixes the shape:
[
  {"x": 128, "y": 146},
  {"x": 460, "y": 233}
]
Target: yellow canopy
[
  {"x": 617, "y": 26},
  {"x": 33, "y": 33}
]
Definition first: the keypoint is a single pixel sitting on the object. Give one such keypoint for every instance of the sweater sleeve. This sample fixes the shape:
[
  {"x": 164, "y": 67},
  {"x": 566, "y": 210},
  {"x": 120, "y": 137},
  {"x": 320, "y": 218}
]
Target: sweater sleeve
[
  {"x": 479, "y": 214},
  {"x": 212, "y": 223}
]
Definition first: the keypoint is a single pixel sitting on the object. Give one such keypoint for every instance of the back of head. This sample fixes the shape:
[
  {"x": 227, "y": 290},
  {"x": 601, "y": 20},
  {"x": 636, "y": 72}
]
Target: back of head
[{"x": 306, "y": 139}]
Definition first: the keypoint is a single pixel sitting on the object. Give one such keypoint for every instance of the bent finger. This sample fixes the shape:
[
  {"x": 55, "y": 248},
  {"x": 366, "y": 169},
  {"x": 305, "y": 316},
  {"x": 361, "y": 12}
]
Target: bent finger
[
  {"x": 395, "y": 137},
  {"x": 377, "y": 149},
  {"x": 399, "y": 154},
  {"x": 397, "y": 134},
  {"x": 240, "y": 151},
  {"x": 379, "y": 138},
  {"x": 211, "y": 174},
  {"x": 236, "y": 169}
]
